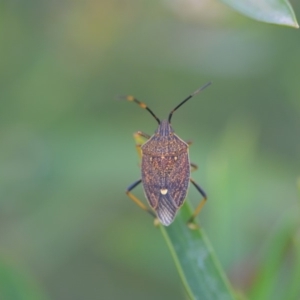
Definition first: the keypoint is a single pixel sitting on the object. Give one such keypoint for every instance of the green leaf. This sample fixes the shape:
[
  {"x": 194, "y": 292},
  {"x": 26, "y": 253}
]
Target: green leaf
[
  {"x": 270, "y": 11},
  {"x": 195, "y": 259}
]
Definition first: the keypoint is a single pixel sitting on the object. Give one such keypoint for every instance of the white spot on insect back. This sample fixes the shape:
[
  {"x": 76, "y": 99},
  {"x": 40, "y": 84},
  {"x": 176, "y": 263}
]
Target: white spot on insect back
[{"x": 163, "y": 191}]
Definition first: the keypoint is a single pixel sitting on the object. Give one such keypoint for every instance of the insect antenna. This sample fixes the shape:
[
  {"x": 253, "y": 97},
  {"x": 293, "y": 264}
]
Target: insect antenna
[
  {"x": 142, "y": 105},
  {"x": 188, "y": 98}
]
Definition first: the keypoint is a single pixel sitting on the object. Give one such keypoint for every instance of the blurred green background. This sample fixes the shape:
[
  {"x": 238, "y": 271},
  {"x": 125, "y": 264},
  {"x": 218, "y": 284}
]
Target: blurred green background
[{"x": 67, "y": 229}]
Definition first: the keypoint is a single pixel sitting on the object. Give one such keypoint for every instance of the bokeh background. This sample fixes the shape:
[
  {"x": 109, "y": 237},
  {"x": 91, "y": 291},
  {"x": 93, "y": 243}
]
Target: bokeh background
[{"x": 67, "y": 229}]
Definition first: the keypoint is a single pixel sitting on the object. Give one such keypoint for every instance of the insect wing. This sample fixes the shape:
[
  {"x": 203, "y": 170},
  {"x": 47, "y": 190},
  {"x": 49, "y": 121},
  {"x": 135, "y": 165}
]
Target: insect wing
[
  {"x": 179, "y": 178},
  {"x": 165, "y": 182},
  {"x": 151, "y": 180}
]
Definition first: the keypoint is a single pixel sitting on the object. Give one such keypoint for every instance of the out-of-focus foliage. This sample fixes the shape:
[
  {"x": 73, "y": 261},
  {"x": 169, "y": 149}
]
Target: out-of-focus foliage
[
  {"x": 67, "y": 152},
  {"x": 282, "y": 252},
  {"x": 14, "y": 284}
]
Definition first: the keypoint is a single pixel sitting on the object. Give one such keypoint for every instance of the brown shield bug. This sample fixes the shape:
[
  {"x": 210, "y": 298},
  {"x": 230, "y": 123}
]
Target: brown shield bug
[{"x": 165, "y": 169}]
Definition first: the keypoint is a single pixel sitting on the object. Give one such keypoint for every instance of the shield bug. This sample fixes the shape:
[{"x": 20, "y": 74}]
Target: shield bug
[{"x": 165, "y": 169}]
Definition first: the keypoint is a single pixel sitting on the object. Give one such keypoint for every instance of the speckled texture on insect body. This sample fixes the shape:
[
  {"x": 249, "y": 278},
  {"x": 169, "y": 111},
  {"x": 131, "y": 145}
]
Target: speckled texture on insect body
[{"x": 165, "y": 172}]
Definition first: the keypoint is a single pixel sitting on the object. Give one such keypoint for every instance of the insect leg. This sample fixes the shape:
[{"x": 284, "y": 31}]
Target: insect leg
[
  {"x": 194, "y": 167},
  {"x": 139, "y": 138},
  {"x": 136, "y": 200},
  {"x": 189, "y": 142},
  {"x": 200, "y": 205},
  {"x": 143, "y": 134}
]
